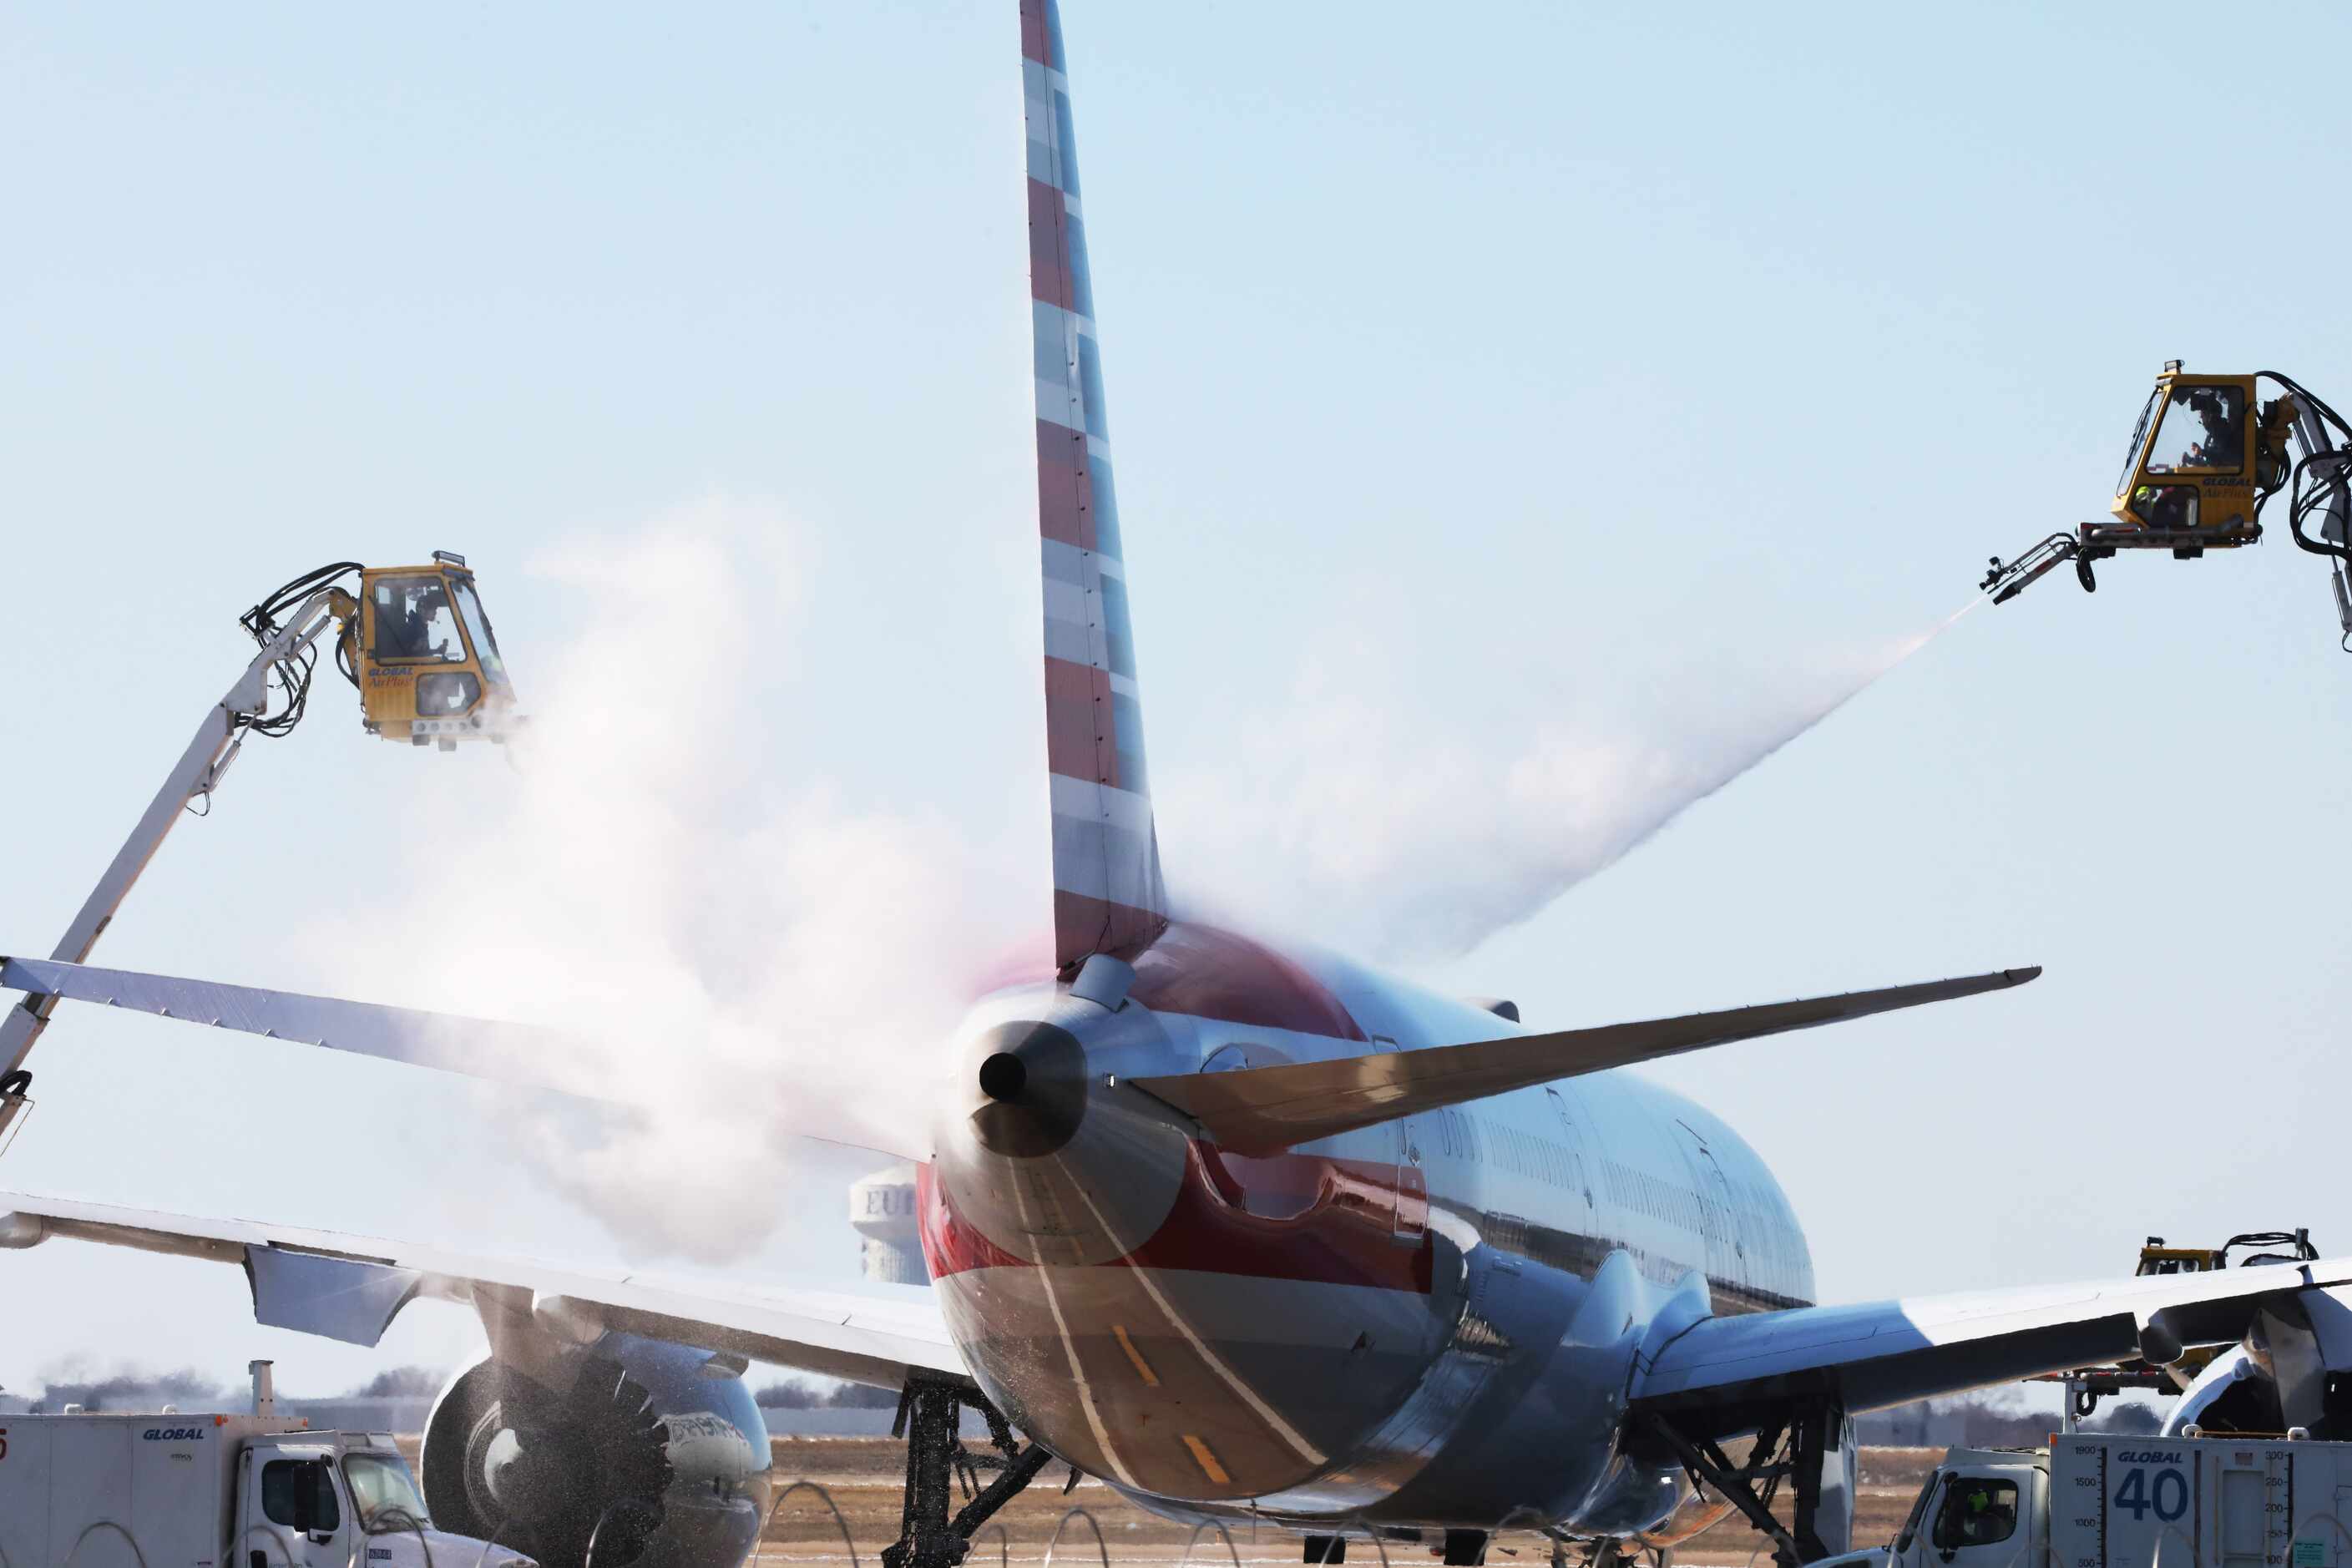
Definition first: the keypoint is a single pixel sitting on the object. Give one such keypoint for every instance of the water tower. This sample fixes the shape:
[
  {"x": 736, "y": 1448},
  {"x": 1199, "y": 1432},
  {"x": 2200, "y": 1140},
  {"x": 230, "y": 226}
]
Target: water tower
[{"x": 882, "y": 1210}]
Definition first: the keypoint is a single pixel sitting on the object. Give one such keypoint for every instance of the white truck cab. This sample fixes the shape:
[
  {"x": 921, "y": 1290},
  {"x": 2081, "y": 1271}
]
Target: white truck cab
[
  {"x": 1983, "y": 1508},
  {"x": 175, "y": 1490},
  {"x": 2115, "y": 1500},
  {"x": 339, "y": 1499}
]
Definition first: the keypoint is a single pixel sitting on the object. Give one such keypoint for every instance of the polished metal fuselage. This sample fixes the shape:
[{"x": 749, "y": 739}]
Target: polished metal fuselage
[{"x": 1431, "y": 1322}]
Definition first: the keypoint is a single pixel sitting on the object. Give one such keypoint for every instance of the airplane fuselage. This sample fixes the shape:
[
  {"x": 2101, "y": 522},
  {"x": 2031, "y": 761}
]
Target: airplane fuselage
[{"x": 1430, "y": 1321}]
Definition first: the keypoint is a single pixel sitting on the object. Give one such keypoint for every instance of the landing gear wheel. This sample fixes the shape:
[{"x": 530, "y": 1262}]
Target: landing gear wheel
[{"x": 1465, "y": 1548}]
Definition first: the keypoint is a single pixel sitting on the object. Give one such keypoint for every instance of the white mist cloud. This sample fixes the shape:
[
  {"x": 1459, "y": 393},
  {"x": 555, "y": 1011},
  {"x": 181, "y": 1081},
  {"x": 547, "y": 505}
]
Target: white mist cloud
[{"x": 739, "y": 945}]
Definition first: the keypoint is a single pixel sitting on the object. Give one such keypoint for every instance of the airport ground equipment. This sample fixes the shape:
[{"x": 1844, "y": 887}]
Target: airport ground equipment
[
  {"x": 141, "y": 1489},
  {"x": 2205, "y": 458},
  {"x": 2086, "y": 1386},
  {"x": 2251, "y": 1247},
  {"x": 2260, "y": 1247},
  {"x": 2115, "y": 1500},
  {"x": 414, "y": 643}
]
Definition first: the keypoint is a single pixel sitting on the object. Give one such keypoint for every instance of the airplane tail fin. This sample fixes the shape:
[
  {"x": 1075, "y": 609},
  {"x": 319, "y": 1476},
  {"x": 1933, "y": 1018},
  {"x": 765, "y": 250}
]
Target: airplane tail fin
[
  {"x": 1108, "y": 892},
  {"x": 1263, "y": 1111}
]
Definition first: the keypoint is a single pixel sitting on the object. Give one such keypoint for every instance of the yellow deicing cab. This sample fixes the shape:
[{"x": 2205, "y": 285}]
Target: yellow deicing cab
[
  {"x": 427, "y": 660},
  {"x": 2204, "y": 458},
  {"x": 2190, "y": 473}
]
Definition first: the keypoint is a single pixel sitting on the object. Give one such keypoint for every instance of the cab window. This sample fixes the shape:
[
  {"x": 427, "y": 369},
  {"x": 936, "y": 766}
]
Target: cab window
[
  {"x": 2139, "y": 434},
  {"x": 383, "y": 1493},
  {"x": 415, "y": 621},
  {"x": 300, "y": 1495},
  {"x": 2204, "y": 431},
  {"x": 477, "y": 625},
  {"x": 1977, "y": 1511},
  {"x": 2165, "y": 506}
]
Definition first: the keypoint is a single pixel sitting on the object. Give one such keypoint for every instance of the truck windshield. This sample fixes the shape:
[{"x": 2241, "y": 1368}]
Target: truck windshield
[
  {"x": 1918, "y": 1511},
  {"x": 385, "y": 1493}
]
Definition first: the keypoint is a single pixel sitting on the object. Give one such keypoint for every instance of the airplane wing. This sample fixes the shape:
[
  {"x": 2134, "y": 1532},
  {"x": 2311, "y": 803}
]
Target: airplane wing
[
  {"x": 519, "y": 1054},
  {"x": 351, "y": 1288},
  {"x": 1263, "y": 1111},
  {"x": 1719, "y": 1369}
]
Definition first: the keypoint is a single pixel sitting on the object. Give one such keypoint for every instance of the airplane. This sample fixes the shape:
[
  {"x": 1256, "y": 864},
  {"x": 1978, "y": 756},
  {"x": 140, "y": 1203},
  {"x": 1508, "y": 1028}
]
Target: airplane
[{"x": 1248, "y": 1231}]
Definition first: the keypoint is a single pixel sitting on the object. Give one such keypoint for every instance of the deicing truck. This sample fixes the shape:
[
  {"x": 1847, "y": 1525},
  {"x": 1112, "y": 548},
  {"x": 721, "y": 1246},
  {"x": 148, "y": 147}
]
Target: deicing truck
[
  {"x": 180, "y": 1490},
  {"x": 2098, "y": 1501}
]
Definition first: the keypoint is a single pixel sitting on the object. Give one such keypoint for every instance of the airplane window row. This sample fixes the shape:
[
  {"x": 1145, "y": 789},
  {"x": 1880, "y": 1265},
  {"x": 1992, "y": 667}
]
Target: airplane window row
[
  {"x": 1661, "y": 1200},
  {"x": 1763, "y": 1223},
  {"x": 1465, "y": 1136}
]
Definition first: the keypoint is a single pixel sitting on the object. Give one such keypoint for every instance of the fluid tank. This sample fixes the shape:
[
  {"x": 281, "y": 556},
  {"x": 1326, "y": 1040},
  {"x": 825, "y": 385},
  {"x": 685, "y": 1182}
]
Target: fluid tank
[{"x": 882, "y": 1210}]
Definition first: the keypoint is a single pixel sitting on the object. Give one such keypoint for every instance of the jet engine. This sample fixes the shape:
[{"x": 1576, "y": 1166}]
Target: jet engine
[
  {"x": 653, "y": 1453},
  {"x": 2276, "y": 1380}
]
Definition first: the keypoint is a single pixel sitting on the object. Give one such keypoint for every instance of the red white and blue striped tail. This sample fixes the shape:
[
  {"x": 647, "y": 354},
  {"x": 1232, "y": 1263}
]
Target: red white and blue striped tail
[{"x": 1108, "y": 892}]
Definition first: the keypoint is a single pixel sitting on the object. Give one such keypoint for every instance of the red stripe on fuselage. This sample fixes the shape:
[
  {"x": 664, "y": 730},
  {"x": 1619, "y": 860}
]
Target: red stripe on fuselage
[
  {"x": 1087, "y": 925},
  {"x": 1307, "y": 1217},
  {"x": 1313, "y": 1217},
  {"x": 1210, "y": 973}
]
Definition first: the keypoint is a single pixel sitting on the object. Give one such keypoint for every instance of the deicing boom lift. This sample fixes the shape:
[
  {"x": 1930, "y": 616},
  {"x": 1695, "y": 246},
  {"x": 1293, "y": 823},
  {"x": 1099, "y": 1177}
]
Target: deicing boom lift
[
  {"x": 415, "y": 644},
  {"x": 2202, "y": 463}
]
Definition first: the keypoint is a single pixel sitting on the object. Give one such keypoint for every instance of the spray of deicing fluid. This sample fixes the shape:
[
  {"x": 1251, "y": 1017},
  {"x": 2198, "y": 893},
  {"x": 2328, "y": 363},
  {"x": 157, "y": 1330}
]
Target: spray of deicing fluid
[
  {"x": 1869, "y": 675},
  {"x": 1398, "y": 835}
]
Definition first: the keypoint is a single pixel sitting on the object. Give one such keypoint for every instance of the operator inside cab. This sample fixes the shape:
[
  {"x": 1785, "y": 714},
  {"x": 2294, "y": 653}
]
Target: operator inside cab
[
  {"x": 2224, "y": 428},
  {"x": 413, "y": 620},
  {"x": 1977, "y": 1511},
  {"x": 2206, "y": 426},
  {"x": 2215, "y": 438}
]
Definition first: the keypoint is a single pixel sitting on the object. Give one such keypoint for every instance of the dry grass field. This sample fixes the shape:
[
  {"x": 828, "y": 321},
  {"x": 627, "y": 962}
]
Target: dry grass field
[{"x": 860, "y": 1478}]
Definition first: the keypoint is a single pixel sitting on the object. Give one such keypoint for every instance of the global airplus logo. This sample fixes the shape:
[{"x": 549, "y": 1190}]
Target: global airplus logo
[{"x": 172, "y": 1433}]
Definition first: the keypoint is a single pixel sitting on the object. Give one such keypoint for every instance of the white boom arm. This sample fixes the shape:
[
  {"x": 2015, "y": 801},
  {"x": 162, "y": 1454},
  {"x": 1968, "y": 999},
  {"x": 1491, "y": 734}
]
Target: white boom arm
[{"x": 199, "y": 772}]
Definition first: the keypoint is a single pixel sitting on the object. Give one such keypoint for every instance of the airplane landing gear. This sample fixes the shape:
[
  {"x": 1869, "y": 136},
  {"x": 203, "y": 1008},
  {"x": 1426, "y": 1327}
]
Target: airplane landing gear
[
  {"x": 1799, "y": 1446},
  {"x": 930, "y": 1417}
]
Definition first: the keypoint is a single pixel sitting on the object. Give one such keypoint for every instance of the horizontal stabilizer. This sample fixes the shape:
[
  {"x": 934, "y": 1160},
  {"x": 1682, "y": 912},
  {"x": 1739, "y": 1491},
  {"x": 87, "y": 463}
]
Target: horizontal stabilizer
[
  {"x": 519, "y": 1054},
  {"x": 1259, "y": 1111}
]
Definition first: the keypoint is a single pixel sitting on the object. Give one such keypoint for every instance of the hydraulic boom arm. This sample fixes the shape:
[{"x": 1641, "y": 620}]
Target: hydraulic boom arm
[
  {"x": 197, "y": 773},
  {"x": 416, "y": 645}
]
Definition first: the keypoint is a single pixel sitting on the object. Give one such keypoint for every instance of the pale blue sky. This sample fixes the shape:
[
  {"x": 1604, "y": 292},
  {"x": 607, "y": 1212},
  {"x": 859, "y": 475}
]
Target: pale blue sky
[{"x": 1550, "y": 367}]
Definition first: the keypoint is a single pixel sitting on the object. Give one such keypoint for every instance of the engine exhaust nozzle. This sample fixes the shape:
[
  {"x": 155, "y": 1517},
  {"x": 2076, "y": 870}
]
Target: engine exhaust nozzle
[{"x": 1032, "y": 1090}]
